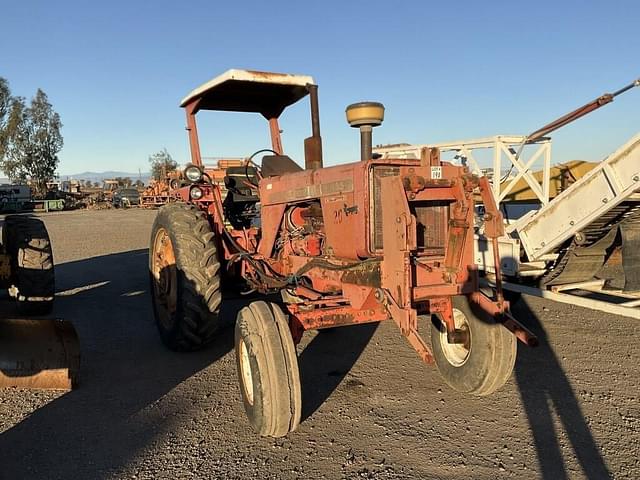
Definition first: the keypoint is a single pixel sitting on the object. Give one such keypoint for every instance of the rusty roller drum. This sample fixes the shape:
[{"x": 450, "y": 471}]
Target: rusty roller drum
[{"x": 38, "y": 354}]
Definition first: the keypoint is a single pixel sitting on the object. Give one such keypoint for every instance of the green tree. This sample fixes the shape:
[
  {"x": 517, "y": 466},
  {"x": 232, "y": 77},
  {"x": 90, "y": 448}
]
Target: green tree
[
  {"x": 17, "y": 142},
  {"x": 11, "y": 109},
  {"x": 33, "y": 149},
  {"x": 161, "y": 164},
  {"x": 5, "y": 106}
]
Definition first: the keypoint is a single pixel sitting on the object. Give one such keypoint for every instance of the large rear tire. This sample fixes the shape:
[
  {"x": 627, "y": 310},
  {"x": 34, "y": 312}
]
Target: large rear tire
[
  {"x": 268, "y": 369},
  {"x": 484, "y": 363},
  {"x": 27, "y": 243},
  {"x": 185, "y": 277}
]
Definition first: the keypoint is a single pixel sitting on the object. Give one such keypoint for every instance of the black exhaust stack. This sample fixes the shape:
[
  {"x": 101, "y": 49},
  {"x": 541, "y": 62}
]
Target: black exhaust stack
[{"x": 313, "y": 144}]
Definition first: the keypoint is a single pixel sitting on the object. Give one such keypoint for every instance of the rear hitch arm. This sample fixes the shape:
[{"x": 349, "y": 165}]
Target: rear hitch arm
[
  {"x": 500, "y": 311},
  {"x": 521, "y": 332}
]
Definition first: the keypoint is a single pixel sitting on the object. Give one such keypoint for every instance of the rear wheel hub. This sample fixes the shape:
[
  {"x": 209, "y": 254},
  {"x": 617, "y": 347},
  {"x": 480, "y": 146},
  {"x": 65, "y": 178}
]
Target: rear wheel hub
[{"x": 165, "y": 286}]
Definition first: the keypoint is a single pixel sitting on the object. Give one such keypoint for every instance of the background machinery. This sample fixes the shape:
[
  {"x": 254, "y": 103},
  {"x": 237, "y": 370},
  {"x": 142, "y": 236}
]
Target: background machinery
[
  {"x": 160, "y": 192},
  {"x": 322, "y": 247}
]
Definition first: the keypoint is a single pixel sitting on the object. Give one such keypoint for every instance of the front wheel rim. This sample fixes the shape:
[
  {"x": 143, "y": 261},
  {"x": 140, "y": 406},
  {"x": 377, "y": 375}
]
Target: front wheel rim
[
  {"x": 457, "y": 354},
  {"x": 245, "y": 372}
]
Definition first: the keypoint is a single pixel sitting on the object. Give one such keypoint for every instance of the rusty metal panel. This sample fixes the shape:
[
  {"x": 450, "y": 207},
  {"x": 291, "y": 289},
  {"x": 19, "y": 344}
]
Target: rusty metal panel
[
  {"x": 378, "y": 173},
  {"x": 312, "y": 191},
  {"x": 343, "y": 193},
  {"x": 342, "y": 215},
  {"x": 309, "y": 184},
  {"x": 38, "y": 354},
  {"x": 399, "y": 238},
  {"x": 271, "y": 218}
]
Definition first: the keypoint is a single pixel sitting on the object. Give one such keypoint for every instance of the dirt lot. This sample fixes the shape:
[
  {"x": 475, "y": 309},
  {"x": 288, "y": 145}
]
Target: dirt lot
[{"x": 371, "y": 409}]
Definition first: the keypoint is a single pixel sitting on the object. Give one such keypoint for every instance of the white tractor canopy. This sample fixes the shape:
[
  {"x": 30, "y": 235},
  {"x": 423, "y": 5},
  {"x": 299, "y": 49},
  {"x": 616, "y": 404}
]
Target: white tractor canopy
[{"x": 249, "y": 91}]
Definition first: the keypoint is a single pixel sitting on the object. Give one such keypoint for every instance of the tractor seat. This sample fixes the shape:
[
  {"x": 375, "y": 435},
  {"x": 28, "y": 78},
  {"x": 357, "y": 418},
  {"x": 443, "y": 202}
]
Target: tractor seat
[{"x": 276, "y": 165}]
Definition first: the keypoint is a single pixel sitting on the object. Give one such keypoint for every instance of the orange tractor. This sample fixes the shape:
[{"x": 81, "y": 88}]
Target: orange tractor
[
  {"x": 323, "y": 247},
  {"x": 158, "y": 193}
]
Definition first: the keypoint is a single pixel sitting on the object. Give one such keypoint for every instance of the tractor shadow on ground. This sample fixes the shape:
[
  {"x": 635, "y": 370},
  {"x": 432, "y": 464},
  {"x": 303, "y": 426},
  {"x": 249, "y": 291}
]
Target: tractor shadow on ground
[
  {"x": 546, "y": 395},
  {"x": 98, "y": 428},
  {"x": 327, "y": 359}
]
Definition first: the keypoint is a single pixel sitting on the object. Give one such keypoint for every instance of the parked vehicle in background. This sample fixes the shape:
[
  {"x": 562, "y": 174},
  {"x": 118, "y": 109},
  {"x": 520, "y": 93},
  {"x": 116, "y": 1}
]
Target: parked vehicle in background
[
  {"x": 125, "y": 197},
  {"x": 13, "y": 197}
]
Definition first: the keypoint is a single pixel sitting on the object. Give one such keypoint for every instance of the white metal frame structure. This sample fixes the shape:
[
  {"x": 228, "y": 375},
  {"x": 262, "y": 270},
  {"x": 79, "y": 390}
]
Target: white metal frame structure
[
  {"x": 591, "y": 294},
  {"x": 505, "y": 148}
]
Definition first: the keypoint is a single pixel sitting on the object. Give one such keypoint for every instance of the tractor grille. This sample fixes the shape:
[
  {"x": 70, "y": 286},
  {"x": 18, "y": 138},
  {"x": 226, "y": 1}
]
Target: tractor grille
[
  {"x": 431, "y": 217},
  {"x": 379, "y": 172}
]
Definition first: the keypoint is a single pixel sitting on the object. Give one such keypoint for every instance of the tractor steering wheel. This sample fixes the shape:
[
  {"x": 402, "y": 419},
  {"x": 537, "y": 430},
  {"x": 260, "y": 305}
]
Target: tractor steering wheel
[{"x": 258, "y": 168}]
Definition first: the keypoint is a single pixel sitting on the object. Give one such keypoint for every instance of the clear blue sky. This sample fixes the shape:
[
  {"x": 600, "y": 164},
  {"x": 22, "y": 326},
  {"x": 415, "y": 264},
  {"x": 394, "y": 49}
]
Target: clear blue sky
[{"x": 116, "y": 71}]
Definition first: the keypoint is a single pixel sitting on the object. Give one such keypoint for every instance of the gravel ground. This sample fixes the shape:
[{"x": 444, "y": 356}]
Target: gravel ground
[{"x": 371, "y": 409}]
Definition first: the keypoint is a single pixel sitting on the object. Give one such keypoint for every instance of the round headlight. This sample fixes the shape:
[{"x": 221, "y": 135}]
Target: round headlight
[
  {"x": 193, "y": 173},
  {"x": 195, "y": 193}
]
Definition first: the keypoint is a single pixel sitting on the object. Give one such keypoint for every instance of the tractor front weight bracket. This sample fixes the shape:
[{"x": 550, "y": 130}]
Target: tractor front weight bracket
[{"x": 407, "y": 321}]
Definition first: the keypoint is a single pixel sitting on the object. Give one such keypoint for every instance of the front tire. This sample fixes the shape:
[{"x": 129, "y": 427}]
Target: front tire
[
  {"x": 185, "y": 277},
  {"x": 268, "y": 369},
  {"x": 485, "y": 361},
  {"x": 27, "y": 243}
]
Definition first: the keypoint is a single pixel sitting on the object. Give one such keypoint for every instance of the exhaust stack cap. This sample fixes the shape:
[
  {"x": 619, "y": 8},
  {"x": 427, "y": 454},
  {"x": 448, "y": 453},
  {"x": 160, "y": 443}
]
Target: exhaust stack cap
[{"x": 365, "y": 114}]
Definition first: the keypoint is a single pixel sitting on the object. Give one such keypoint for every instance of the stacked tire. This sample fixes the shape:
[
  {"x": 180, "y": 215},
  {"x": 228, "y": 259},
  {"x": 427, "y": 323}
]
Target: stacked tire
[{"x": 26, "y": 242}]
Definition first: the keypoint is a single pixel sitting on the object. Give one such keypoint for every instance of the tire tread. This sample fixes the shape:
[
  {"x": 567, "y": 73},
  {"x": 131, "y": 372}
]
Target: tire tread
[
  {"x": 264, "y": 329},
  {"x": 27, "y": 242},
  {"x": 199, "y": 294}
]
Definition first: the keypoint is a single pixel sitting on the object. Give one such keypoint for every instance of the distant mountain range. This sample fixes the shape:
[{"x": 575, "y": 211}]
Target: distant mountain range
[{"x": 100, "y": 176}]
